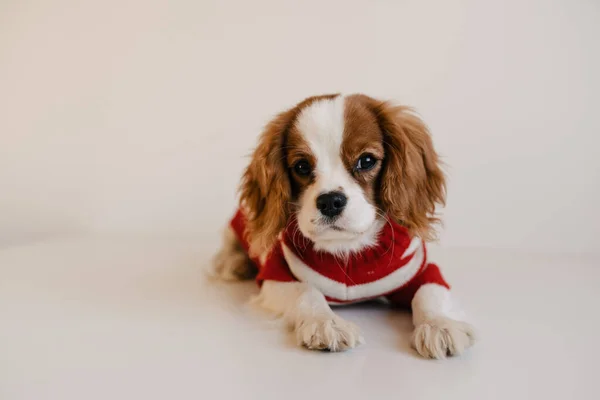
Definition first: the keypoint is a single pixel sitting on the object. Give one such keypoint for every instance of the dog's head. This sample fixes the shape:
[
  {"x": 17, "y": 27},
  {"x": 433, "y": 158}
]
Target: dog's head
[{"x": 342, "y": 164}]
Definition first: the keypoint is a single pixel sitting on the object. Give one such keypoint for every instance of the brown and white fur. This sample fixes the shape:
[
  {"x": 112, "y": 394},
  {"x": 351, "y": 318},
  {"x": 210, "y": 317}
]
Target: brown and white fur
[{"x": 320, "y": 146}]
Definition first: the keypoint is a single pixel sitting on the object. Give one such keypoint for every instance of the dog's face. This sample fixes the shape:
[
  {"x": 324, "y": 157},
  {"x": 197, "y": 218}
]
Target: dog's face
[
  {"x": 334, "y": 152},
  {"x": 342, "y": 164}
]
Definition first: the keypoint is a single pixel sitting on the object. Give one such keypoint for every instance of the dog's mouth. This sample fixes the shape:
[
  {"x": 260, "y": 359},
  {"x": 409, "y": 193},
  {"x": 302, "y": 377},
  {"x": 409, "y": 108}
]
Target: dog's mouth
[
  {"x": 324, "y": 224},
  {"x": 330, "y": 228},
  {"x": 324, "y": 228}
]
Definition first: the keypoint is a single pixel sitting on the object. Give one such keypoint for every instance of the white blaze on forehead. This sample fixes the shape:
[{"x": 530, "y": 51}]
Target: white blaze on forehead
[
  {"x": 322, "y": 123},
  {"x": 322, "y": 126}
]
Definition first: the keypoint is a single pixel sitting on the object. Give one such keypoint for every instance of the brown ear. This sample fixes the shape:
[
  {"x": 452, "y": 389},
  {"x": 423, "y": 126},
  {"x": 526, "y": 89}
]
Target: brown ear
[
  {"x": 412, "y": 182},
  {"x": 265, "y": 188}
]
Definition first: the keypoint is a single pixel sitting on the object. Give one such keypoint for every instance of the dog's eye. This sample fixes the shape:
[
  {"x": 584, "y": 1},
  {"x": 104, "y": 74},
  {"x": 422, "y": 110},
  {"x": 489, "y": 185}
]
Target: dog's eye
[
  {"x": 365, "y": 162},
  {"x": 302, "y": 168}
]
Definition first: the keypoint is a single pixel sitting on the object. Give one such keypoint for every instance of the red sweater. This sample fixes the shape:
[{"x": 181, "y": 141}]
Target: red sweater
[{"x": 394, "y": 268}]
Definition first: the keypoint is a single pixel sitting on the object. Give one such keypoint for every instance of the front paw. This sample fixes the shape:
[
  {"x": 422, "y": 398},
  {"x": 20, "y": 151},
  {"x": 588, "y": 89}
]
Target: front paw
[
  {"x": 440, "y": 337},
  {"x": 328, "y": 333}
]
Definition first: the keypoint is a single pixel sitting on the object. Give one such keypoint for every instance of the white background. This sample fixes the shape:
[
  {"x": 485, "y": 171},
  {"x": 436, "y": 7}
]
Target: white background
[{"x": 131, "y": 116}]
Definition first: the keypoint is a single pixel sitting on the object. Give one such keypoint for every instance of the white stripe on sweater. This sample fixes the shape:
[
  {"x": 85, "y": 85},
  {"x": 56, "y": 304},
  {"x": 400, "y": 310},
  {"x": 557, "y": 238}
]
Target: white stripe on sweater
[{"x": 340, "y": 291}]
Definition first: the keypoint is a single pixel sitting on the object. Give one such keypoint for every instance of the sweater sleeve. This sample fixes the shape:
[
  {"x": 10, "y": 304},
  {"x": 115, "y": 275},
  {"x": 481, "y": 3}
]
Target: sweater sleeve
[
  {"x": 273, "y": 267},
  {"x": 238, "y": 225},
  {"x": 430, "y": 274}
]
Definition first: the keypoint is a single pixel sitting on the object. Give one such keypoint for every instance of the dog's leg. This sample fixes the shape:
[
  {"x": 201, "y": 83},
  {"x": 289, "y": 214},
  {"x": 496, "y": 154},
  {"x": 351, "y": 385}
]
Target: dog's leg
[
  {"x": 307, "y": 313},
  {"x": 437, "y": 333},
  {"x": 231, "y": 262}
]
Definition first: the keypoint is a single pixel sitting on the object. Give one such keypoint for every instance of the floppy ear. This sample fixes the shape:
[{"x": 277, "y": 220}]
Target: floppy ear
[
  {"x": 412, "y": 182},
  {"x": 265, "y": 188}
]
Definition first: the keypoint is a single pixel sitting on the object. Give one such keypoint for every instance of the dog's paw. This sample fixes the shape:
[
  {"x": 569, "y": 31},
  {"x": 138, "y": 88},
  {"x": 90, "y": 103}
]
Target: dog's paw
[
  {"x": 232, "y": 263},
  {"x": 328, "y": 333},
  {"x": 232, "y": 266},
  {"x": 441, "y": 337}
]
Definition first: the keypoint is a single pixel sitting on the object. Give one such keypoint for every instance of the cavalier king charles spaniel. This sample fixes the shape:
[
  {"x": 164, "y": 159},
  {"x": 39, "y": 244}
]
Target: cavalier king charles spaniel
[{"x": 335, "y": 208}]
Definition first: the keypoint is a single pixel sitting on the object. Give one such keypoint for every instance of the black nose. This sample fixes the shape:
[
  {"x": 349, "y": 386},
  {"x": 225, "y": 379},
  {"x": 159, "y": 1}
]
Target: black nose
[{"x": 331, "y": 204}]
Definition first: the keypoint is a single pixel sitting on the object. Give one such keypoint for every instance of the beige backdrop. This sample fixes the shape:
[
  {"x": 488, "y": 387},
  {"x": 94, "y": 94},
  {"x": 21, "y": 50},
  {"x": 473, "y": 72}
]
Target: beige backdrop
[{"x": 134, "y": 116}]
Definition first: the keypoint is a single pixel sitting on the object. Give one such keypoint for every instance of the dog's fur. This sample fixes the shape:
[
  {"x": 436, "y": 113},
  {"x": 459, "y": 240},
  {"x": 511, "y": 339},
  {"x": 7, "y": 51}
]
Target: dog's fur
[{"x": 330, "y": 134}]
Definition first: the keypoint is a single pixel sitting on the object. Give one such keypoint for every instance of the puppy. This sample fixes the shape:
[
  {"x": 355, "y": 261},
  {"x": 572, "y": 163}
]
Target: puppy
[{"x": 335, "y": 207}]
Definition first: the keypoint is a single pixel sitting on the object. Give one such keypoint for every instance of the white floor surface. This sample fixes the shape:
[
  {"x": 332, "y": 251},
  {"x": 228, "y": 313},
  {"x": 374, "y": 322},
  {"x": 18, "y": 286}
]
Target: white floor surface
[{"x": 115, "y": 318}]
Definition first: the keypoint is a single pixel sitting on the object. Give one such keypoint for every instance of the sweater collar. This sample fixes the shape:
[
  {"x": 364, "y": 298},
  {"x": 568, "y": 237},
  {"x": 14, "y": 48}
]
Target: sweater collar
[{"x": 392, "y": 241}]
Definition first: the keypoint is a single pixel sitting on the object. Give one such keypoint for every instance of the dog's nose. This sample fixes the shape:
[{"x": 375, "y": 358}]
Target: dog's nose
[{"x": 331, "y": 204}]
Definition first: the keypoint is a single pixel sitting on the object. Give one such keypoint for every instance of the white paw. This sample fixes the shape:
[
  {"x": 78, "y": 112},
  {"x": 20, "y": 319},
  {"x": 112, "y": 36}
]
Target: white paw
[
  {"x": 440, "y": 337},
  {"x": 328, "y": 333}
]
